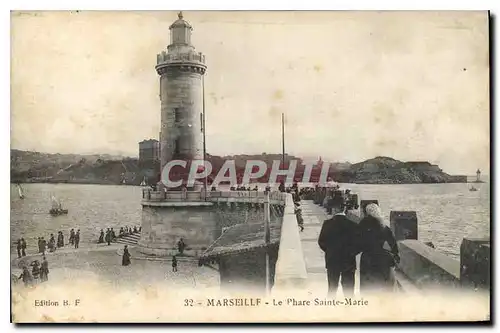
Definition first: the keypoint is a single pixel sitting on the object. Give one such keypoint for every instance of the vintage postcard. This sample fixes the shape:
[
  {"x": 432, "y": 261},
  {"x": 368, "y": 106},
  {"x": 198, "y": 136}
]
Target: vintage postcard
[{"x": 250, "y": 167}]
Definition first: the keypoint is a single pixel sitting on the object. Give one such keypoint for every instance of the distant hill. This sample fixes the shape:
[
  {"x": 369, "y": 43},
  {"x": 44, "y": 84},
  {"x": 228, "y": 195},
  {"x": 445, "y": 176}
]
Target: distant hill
[
  {"x": 38, "y": 166},
  {"x": 29, "y": 166},
  {"x": 386, "y": 170}
]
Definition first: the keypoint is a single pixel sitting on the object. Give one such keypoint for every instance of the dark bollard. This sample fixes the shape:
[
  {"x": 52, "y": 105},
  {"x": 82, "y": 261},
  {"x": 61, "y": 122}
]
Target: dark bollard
[
  {"x": 404, "y": 224},
  {"x": 475, "y": 262},
  {"x": 363, "y": 205}
]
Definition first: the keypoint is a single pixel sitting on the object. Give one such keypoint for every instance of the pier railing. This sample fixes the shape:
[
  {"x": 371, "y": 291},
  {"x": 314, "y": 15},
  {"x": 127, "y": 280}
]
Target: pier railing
[{"x": 212, "y": 196}]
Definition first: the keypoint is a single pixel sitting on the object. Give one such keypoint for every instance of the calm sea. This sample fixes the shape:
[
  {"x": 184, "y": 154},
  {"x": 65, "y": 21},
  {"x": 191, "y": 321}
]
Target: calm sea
[{"x": 446, "y": 212}]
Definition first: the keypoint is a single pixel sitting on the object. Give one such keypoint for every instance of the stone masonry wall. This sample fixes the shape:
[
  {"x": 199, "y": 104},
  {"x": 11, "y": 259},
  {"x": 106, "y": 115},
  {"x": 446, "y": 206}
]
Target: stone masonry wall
[
  {"x": 162, "y": 227},
  {"x": 183, "y": 91},
  {"x": 199, "y": 226}
]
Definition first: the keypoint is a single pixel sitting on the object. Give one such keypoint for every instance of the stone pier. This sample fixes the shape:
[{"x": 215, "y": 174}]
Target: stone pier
[{"x": 198, "y": 218}]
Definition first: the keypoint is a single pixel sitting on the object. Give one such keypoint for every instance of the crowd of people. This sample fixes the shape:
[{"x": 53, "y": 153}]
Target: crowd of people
[
  {"x": 39, "y": 272},
  {"x": 51, "y": 245},
  {"x": 110, "y": 235}
]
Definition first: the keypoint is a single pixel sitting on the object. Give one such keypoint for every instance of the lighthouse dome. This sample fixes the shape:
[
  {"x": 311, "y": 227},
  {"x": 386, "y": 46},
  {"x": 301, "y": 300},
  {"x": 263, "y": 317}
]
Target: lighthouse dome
[{"x": 180, "y": 22}]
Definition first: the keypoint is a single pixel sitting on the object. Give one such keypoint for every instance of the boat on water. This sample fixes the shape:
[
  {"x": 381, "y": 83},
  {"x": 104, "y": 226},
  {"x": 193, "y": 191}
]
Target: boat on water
[
  {"x": 143, "y": 183},
  {"x": 57, "y": 209},
  {"x": 20, "y": 190},
  {"x": 472, "y": 189}
]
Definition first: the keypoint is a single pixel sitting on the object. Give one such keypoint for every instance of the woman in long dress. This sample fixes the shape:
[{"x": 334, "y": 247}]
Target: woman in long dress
[
  {"x": 377, "y": 264},
  {"x": 126, "y": 256}
]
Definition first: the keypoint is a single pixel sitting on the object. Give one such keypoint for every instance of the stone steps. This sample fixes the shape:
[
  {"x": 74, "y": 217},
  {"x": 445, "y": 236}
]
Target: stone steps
[{"x": 132, "y": 239}]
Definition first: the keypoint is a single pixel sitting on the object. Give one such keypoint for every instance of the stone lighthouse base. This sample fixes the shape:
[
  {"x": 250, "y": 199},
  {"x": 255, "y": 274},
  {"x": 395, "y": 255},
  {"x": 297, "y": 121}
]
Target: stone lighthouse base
[{"x": 165, "y": 223}]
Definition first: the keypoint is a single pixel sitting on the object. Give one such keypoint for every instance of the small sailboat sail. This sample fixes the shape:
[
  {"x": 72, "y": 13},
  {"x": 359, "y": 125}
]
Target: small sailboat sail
[
  {"x": 55, "y": 203},
  {"x": 143, "y": 183},
  {"x": 57, "y": 207},
  {"x": 20, "y": 190}
]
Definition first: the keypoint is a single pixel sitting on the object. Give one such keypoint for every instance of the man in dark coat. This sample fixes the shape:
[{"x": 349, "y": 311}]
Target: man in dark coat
[
  {"x": 23, "y": 247},
  {"x": 108, "y": 236},
  {"x": 72, "y": 236},
  {"x": 19, "y": 247},
  {"x": 77, "y": 239},
  {"x": 60, "y": 239},
  {"x": 174, "y": 264},
  {"x": 339, "y": 240},
  {"x": 44, "y": 270},
  {"x": 43, "y": 244}
]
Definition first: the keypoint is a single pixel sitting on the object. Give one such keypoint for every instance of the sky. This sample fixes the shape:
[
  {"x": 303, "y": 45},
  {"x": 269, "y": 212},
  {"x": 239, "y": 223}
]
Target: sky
[{"x": 352, "y": 85}]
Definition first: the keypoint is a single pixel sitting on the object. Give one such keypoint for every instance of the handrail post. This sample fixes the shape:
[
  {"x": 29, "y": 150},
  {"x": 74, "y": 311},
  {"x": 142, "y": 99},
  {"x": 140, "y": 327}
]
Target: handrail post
[{"x": 267, "y": 240}]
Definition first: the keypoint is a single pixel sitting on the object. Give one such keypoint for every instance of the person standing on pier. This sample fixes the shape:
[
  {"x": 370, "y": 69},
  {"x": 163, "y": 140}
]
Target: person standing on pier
[
  {"x": 23, "y": 247},
  {"x": 77, "y": 239},
  {"x": 43, "y": 244},
  {"x": 108, "y": 236},
  {"x": 174, "y": 264},
  {"x": 101, "y": 237},
  {"x": 36, "y": 270},
  {"x": 26, "y": 276},
  {"x": 44, "y": 270},
  {"x": 281, "y": 187},
  {"x": 181, "y": 246},
  {"x": 126, "y": 256},
  {"x": 72, "y": 236},
  {"x": 338, "y": 238},
  {"x": 60, "y": 239},
  {"x": 39, "y": 244},
  {"x": 19, "y": 247},
  {"x": 113, "y": 235},
  {"x": 52, "y": 243},
  {"x": 377, "y": 264}
]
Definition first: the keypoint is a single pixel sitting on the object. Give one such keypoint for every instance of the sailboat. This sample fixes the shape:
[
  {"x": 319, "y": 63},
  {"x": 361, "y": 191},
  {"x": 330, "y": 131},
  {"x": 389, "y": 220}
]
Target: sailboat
[
  {"x": 143, "y": 183},
  {"x": 57, "y": 208},
  {"x": 472, "y": 189},
  {"x": 20, "y": 189}
]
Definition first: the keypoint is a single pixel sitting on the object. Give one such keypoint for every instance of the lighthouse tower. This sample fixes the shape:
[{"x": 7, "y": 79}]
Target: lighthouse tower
[
  {"x": 181, "y": 71},
  {"x": 168, "y": 218},
  {"x": 478, "y": 175}
]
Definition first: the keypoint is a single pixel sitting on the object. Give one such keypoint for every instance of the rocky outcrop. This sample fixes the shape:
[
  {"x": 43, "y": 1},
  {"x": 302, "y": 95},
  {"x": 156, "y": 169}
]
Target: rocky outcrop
[{"x": 386, "y": 170}]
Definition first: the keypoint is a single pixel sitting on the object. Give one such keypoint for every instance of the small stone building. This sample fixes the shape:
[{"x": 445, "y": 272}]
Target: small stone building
[{"x": 241, "y": 256}]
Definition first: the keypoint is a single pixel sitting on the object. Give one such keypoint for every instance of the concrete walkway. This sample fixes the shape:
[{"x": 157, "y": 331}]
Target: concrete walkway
[{"x": 314, "y": 257}]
